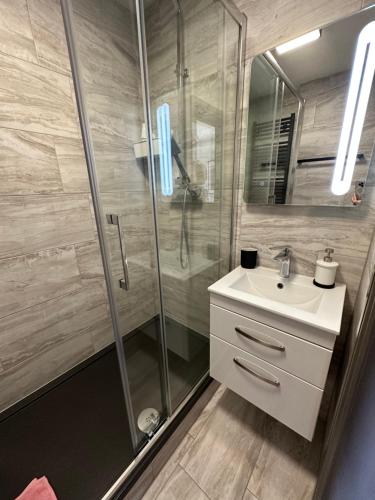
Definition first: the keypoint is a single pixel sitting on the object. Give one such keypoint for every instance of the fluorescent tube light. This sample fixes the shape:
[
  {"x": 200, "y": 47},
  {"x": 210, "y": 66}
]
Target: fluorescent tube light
[
  {"x": 355, "y": 110},
  {"x": 298, "y": 42},
  {"x": 165, "y": 153}
]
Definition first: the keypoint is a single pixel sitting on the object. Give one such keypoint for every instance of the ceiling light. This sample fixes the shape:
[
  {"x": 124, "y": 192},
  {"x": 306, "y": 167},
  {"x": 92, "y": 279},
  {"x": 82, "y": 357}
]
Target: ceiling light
[
  {"x": 298, "y": 42},
  {"x": 355, "y": 110}
]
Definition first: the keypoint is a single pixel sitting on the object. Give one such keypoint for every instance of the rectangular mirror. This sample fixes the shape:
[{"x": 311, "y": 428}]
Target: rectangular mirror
[{"x": 311, "y": 121}]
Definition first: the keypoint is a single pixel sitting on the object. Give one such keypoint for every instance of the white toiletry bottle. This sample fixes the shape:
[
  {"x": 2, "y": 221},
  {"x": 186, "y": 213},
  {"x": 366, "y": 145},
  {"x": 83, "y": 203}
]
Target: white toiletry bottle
[{"x": 325, "y": 271}]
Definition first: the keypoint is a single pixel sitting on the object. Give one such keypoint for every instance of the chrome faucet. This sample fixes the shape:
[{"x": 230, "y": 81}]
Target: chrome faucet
[{"x": 284, "y": 258}]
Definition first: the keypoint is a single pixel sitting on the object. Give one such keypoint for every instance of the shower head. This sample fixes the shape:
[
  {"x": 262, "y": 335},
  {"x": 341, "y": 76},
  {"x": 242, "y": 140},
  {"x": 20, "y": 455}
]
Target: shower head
[{"x": 194, "y": 191}]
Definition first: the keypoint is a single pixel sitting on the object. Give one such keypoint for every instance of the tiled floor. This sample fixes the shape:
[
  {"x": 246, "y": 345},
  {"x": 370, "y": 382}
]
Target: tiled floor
[{"x": 236, "y": 452}]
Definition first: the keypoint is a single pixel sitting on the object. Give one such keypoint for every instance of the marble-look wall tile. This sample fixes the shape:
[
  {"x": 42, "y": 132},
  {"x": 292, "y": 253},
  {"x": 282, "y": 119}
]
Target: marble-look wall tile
[
  {"x": 52, "y": 323},
  {"x": 28, "y": 163},
  {"x": 38, "y": 329},
  {"x": 36, "y": 278},
  {"x": 35, "y": 99},
  {"x": 16, "y": 38},
  {"x": 271, "y": 22},
  {"x": 361, "y": 298},
  {"x": 72, "y": 165},
  {"x": 49, "y": 35},
  {"x": 89, "y": 261},
  {"x": 117, "y": 168},
  {"x": 32, "y": 223},
  {"x": 44, "y": 367}
]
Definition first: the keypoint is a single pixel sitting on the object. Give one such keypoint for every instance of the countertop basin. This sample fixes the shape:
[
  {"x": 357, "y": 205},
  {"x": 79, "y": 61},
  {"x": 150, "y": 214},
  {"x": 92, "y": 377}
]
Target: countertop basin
[{"x": 295, "y": 297}]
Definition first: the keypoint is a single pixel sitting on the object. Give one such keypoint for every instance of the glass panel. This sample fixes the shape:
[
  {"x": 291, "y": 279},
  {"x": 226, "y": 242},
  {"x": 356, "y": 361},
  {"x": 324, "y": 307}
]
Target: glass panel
[
  {"x": 107, "y": 46},
  {"x": 192, "y": 60}
]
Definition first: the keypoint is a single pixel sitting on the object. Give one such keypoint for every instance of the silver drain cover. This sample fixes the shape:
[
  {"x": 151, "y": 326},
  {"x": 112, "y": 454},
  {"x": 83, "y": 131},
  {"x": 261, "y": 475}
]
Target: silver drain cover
[{"x": 148, "y": 420}]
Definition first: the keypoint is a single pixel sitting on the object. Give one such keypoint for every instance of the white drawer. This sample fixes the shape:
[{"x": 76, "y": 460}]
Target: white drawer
[
  {"x": 296, "y": 356},
  {"x": 293, "y": 401}
]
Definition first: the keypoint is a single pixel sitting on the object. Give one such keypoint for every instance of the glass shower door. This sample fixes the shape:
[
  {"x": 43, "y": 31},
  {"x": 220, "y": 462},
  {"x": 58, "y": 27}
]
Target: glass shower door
[
  {"x": 109, "y": 82},
  {"x": 162, "y": 189},
  {"x": 192, "y": 65}
]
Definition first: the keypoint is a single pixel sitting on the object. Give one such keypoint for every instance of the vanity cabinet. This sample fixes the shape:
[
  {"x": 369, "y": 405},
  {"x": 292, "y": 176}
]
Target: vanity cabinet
[{"x": 277, "y": 364}]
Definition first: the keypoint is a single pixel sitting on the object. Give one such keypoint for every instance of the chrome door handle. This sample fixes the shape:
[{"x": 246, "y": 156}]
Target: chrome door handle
[
  {"x": 274, "y": 381},
  {"x": 115, "y": 220},
  {"x": 277, "y": 347}
]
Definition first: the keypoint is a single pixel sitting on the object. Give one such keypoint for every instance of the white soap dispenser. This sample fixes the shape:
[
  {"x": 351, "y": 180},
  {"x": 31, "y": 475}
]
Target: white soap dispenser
[{"x": 325, "y": 271}]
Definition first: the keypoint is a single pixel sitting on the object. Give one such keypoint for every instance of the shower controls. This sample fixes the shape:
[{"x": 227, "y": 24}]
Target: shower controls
[{"x": 115, "y": 220}]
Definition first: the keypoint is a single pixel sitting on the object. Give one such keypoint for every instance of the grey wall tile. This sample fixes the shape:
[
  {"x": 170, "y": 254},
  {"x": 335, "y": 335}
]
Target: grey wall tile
[
  {"x": 35, "y": 99},
  {"x": 89, "y": 261},
  {"x": 271, "y": 23},
  {"x": 32, "y": 223},
  {"x": 40, "y": 343},
  {"x": 45, "y": 366},
  {"x": 36, "y": 278},
  {"x": 49, "y": 35},
  {"x": 16, "y": 38},
  {"x": 72, "y": 165},
  {"x": 28, "y": 163}
]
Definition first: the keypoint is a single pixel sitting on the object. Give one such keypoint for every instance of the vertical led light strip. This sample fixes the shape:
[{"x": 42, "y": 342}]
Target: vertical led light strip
[
  {"x": 165, "y": 153},
  {"x": 355, "y": 110}
]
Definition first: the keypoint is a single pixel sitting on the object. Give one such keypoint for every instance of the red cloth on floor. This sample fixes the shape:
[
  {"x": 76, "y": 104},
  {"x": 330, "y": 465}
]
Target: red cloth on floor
[{"x": 38, "y": 489}]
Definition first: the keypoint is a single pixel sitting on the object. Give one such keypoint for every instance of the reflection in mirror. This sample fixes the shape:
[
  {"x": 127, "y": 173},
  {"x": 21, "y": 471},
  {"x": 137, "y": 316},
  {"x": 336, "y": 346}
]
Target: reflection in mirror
[{"x": 299, "y": 95}]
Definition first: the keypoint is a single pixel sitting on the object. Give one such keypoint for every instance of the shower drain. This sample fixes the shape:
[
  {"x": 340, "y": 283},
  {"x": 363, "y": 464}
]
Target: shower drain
[{"x": 148, "y": 420}]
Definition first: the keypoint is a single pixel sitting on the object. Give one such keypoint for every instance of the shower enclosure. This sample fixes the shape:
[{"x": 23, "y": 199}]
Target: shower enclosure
[{"x": 158, "y": 88}]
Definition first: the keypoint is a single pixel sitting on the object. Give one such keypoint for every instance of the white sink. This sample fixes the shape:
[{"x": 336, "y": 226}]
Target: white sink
[{"x": 295, "y": 297}]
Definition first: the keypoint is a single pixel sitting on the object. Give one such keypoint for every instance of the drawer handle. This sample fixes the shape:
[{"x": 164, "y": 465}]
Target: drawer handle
[
  {"x": 277, "y": 347},
  {"x": 274, "y": 382}
]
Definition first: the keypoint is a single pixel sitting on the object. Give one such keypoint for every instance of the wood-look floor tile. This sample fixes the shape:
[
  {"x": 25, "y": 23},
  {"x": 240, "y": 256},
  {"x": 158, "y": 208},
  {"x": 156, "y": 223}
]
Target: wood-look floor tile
[
  {"x": 181, "y": 487},
  {"x": 226, "y": 449},
  {"x": 164, "y": 475},
  {"x": 141, "y": 485},
  {"x": 287, "y": 465},
  {"x": 208, "y": 409}
]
